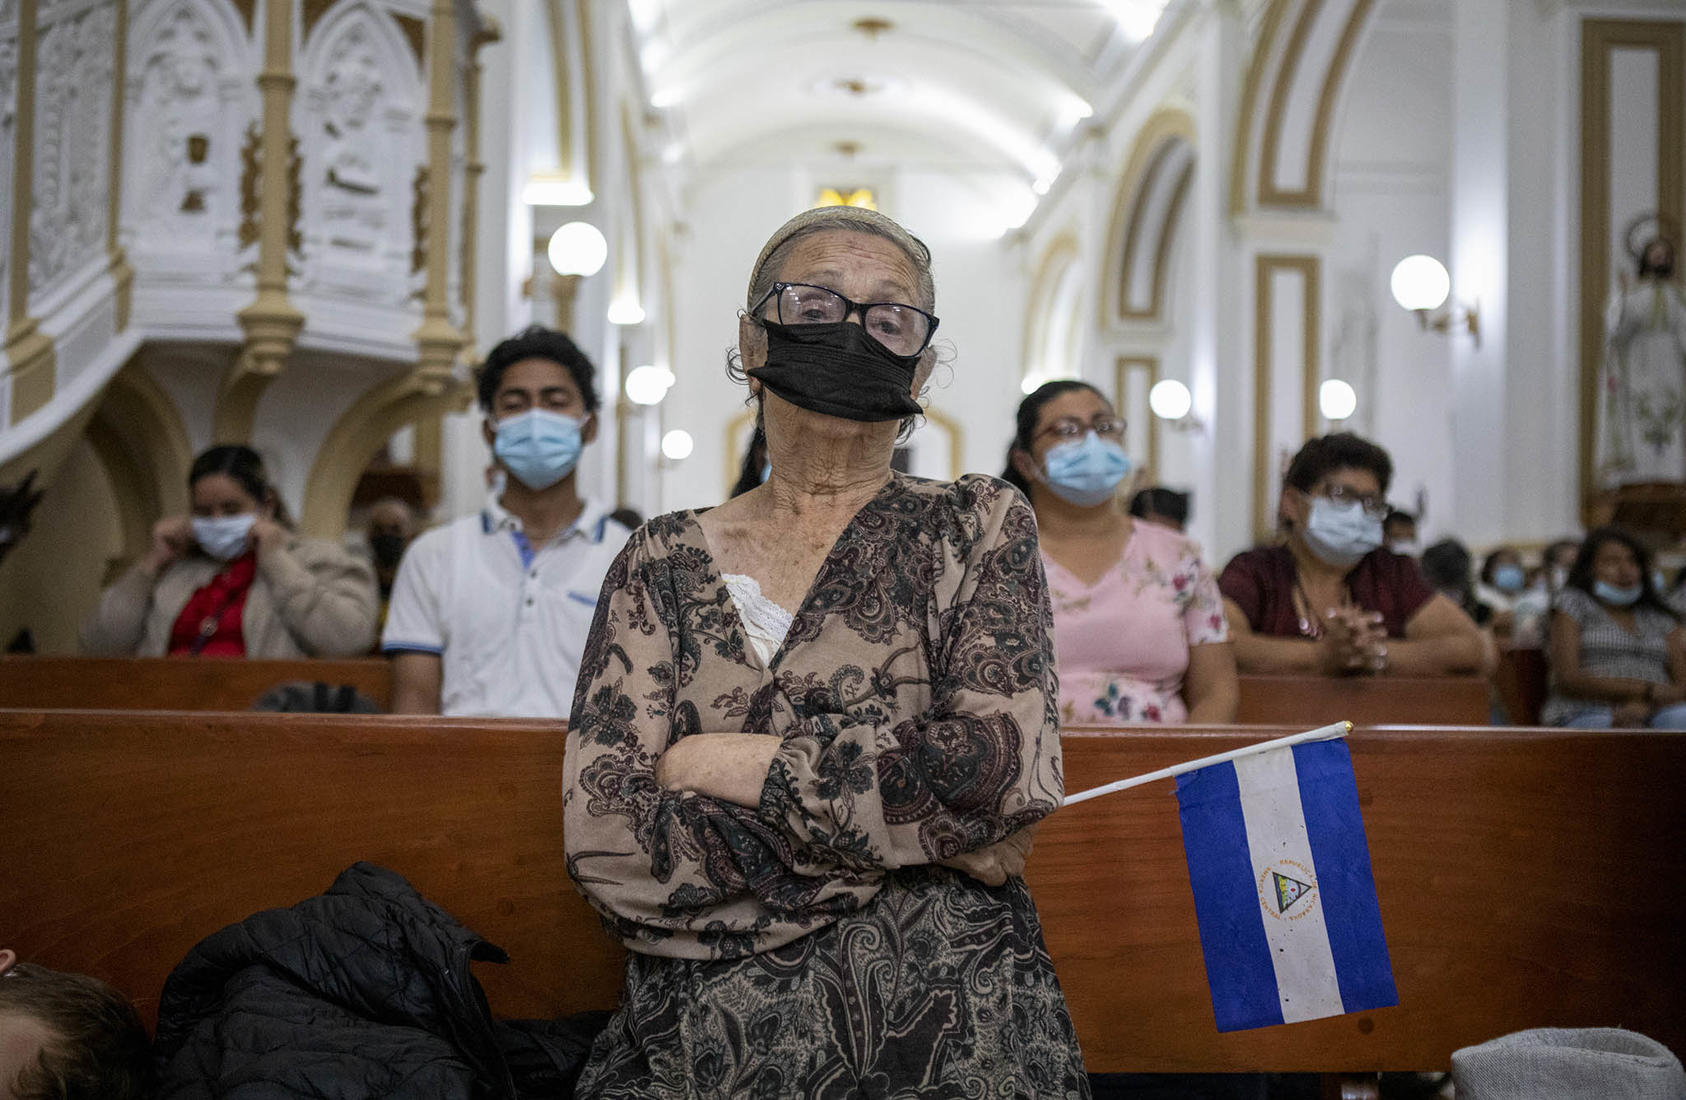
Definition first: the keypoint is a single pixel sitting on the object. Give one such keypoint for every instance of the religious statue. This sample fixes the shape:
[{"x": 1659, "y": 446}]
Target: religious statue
[{"x": 1642, "y": 388}]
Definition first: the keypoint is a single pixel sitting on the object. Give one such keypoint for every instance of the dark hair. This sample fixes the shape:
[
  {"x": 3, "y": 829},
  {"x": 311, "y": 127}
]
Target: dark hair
[
  {"x": 1552, "y": 549},
  {"x": 1445, "y": 565},
  {"x": 1581, "y": 573},
  {"x": 99, "y": 1047},
  {"x": 1030, "y": 411},
  {"x": 1491, "y": 561},
  {"x": 1663, "y": 270},
  {"x": 1397, "y": 516},
  {"x": 627, "y": 517},
  {"x": 754, "y": 458},
  {"x": 244, "y": 467},
  {"x": 1156, "y": 500},
  {"x": 1324, "y": 455},
  {"x": 537, "y": 342}
]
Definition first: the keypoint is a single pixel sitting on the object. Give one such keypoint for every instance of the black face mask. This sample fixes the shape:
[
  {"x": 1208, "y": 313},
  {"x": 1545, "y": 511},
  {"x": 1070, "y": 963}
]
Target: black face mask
[
  {"x": 387, "y": 549},
  {"x": 838, "y": 370}
]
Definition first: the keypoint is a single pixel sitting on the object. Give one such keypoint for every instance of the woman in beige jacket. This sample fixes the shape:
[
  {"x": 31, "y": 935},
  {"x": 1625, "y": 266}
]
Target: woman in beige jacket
[{"x": 231, "y": 580}]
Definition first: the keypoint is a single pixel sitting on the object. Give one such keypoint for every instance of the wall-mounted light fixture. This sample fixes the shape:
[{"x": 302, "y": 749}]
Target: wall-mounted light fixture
[
  {"x": 1171, "y": 402},
  {"x": 626, "y": 310},
  {"x": 677, "y": 445},
  {"x": 577, "y": 251},
  {"x": 647, "y": 385},
  {"x": 1421, "y": 285},
  {"x": 1337, "y": 399}
]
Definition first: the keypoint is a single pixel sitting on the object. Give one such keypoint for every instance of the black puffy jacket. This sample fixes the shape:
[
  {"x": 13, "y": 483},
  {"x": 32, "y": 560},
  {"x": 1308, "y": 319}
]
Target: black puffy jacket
[{"x": 363, "y": 991}]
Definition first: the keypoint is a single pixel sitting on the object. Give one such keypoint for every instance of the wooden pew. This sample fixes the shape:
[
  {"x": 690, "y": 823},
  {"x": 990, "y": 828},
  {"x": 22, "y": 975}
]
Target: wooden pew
[
  {"x": 173, "y": 683},
  {"x": 1522, "y": 681},
  {"x": 1367, "y": 700},
  {"x": 1526, "y": 877}
]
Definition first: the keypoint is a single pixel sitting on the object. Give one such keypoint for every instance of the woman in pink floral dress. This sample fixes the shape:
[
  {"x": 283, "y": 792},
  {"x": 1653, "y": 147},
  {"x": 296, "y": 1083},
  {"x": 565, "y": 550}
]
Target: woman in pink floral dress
[{"x": 1139, "y": 629}]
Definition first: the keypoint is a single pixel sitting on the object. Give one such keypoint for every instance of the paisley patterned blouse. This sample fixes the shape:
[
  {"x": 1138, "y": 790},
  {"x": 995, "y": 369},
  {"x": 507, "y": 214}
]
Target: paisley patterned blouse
[{"x": 914, "y": 695}]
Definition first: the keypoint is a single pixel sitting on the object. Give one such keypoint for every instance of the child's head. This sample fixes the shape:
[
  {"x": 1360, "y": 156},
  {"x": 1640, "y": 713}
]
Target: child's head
[{"x": 68, "y": 1036}]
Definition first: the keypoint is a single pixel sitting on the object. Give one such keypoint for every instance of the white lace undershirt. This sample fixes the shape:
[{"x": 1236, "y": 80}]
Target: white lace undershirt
[{"x": 766, "y": 622}]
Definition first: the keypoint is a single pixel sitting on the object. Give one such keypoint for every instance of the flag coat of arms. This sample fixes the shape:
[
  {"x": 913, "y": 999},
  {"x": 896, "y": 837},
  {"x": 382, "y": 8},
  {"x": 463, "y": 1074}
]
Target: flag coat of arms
[{"x": 1289, "y": 924}]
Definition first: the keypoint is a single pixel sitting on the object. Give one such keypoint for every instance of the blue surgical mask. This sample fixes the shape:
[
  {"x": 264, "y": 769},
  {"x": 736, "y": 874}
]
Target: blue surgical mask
[
  {"x": 1086, "y": 471},
  {"x": 1617, "y": 597},
  {"x": 766, "y": 471},
  {"x": 1509, "y": 578},
  {"x": 538, "y": 446},
  {"x": 223, "y": 537},
  {"x": 1341, "y": 533}
]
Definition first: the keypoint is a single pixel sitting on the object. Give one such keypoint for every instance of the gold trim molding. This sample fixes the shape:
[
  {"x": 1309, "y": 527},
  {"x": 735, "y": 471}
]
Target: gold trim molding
[
  {"x": 1157, "y": 139},
  {"x": 1309, "y": 269},
  {"x": 32, "y": 362},
  {"x": 1599, "y": 39},
  {"x": 1123, "y": 367}
]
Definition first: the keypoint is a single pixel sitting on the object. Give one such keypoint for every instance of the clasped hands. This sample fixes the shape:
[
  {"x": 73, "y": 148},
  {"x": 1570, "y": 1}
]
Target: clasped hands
[
  {"x": 1353, "y": 641},
  {"x": 733, "y": 767}
]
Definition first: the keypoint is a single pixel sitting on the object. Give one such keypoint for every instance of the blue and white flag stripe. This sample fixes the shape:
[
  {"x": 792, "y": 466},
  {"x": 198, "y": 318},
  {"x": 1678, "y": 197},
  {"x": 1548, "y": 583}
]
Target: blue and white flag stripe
[{"x": 1289, "y": 924}]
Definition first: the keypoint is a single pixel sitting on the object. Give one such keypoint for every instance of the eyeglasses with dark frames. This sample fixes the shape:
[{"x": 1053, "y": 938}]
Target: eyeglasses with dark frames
[
  {"x": 1070, "y": 427},
  {"x": 904, "y": 329}
]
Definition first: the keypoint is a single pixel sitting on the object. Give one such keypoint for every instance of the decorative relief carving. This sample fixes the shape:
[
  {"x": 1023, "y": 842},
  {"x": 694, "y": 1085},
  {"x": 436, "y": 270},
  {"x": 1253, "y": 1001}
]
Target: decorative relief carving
[
  {"x": 251, "y": 191},
  {"x": 8, "y": 142},
  {"x": 67, "y": 221},
  {"x": 180, "y": 129},
  {"x": 361, "y": 128}
]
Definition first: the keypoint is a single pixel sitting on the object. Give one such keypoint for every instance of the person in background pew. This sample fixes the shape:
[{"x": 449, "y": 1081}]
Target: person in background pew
[
  {"x": 392, "y": 527},
  {"x": 490, "y": 613},
  {"x": 1139, "y": 631},
  {"x": 1329, "y": 599},
  {"x": 68, "y": 1037},
  {"x": 1618, "y": 652},
  {"x": 1399, "y": 533},
  {"x": 1519, "y": 612},
  {"x": 1447, "y": 567},
  {"x": 233, "y": 580},
  {"x": 1157, "y": 504}
]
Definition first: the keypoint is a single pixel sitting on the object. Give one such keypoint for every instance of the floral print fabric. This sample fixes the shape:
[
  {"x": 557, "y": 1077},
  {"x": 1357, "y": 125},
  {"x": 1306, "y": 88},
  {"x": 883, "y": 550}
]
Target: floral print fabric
[
  {"x": 914, "y": 699},
  {"x": 1123, "y": 642}
]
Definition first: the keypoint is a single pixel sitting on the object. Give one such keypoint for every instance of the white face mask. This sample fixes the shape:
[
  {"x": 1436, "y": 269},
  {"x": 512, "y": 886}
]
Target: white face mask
[
  {"x": 223, "y": 537},
  {"x": 1341, "y": 533},
  {"x": 1409, "y": 547}
]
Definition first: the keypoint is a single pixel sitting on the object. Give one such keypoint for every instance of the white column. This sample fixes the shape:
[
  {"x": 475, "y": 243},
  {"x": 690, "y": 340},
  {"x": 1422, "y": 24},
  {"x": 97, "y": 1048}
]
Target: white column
[
  {"x": 1219, "y": 367},
  {"x": 1479, "y": 266}
]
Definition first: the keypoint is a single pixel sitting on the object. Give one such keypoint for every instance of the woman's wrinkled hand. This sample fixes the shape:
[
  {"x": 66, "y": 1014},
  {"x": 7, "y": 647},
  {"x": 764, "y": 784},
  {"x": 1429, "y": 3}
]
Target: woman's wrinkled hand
[
  {"x": 729, "y": 766},
  {"x": 995, "y": 864}
]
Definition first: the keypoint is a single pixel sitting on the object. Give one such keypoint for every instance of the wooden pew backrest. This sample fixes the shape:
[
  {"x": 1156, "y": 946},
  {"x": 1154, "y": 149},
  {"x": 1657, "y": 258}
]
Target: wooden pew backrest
[
  {"x": 1526, "y": 877},
  {"x": 173, "y": 683},
  {"x": 131, "y": 836},
  {"x": 1308, "y": 701}
]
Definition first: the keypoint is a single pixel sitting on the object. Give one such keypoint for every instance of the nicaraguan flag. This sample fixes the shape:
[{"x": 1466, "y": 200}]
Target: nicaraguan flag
[{"x": 1289, "y": 924}]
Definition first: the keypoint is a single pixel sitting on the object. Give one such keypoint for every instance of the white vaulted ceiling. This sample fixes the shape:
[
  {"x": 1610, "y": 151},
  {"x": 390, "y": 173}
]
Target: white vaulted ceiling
[{"x": 987, "y": 86}]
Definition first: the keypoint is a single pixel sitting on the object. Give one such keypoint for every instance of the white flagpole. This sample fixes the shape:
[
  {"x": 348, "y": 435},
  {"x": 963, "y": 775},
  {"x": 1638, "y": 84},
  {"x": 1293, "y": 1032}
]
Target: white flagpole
[{"x": 1324, "y": 733}]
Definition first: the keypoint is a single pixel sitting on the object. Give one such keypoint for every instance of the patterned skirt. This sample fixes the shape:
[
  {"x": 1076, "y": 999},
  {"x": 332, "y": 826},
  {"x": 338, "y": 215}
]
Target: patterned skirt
[{"x": 939, "y": 987}]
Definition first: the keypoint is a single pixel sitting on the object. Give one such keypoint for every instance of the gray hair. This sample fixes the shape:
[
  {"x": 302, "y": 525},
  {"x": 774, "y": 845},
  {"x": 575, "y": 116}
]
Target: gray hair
[{"x": 847, "y": 219}]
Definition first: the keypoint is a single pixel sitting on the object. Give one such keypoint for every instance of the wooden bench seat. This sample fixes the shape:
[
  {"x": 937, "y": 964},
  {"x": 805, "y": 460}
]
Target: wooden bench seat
[
  {"x": 174, "y": 683},
  {"x": 1526, "y": 877},
  {"x": 1310, "y": 701}
]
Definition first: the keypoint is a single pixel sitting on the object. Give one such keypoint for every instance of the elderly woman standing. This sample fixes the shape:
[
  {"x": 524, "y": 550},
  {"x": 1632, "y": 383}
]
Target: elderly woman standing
[{"x": 813, "y": 728}]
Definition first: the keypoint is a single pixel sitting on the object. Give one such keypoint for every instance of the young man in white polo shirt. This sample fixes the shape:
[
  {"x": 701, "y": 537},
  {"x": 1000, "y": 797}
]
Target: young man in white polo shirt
[{"x": 489, "y": 614}]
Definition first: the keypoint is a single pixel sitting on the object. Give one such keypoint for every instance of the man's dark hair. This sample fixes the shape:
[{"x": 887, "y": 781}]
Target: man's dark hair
[
  {"x": 1156, "y": 500},
  {"x": 1581, "y": 574},
  {"x": 1324, "y": 455},
  {"x": 1446, "y": 565},
  {"x": 99, "y": 1048},
  {"x": 1396, "y": 517},
  {"x": 1030, "y": 411},
  {"x": 538, "y": 342}
]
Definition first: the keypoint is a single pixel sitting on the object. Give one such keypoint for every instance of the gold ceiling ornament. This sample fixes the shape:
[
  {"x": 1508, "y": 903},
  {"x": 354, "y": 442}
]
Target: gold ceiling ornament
[
  {"x": 843, "y": 196},
  {"x": 872, "y": 26}
]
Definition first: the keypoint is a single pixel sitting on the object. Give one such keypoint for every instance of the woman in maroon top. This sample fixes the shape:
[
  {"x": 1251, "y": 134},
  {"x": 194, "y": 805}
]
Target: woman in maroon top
[{"x": 1329, "y": 599}]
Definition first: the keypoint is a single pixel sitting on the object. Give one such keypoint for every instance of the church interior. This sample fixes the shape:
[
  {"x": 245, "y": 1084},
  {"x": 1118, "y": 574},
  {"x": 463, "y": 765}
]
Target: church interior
[
  {"x": 301, "y": 226},
  {"x": 1211, "y": 193}
]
